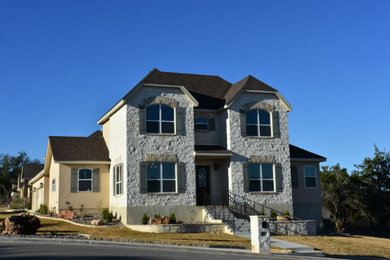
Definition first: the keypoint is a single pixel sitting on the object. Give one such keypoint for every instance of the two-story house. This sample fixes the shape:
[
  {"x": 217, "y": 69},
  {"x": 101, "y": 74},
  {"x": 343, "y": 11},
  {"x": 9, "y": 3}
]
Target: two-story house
[{"x": 177, "y": 142}]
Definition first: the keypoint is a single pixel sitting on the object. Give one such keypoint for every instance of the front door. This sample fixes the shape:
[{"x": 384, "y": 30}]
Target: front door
[{"x": 202, "y": 185}]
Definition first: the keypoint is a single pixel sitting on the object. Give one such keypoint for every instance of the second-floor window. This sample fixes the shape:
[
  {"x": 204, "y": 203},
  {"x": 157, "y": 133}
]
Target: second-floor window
[
  {"x": 160, "y": 119},
  {"x": 258, "y": 123},
  {"x": 201, "y": 124}
]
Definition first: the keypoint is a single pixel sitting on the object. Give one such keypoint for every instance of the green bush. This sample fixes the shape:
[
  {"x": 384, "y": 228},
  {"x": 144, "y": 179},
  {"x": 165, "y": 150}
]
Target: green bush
[
  {"x": 145, "y": 219},
  {"x": 43, "y": 209},
  {"x": 172, "y": 218},
  {"x": 286, "y": 213},
  {"x": 156, "y": 216},
  {"x": 262, "y": 212},
  {"x": 107, "y": 215},
  {"x": 273, "y": 215}
]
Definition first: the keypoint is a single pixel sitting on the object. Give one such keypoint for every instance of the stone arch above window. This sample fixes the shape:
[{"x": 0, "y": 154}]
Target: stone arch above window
[
  {"x": 160, "y": 100},
  {"x": 257, "y": 105}
]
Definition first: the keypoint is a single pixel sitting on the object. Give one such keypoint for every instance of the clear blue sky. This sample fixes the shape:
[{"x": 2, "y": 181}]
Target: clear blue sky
[{"x": 63, "y": 64}]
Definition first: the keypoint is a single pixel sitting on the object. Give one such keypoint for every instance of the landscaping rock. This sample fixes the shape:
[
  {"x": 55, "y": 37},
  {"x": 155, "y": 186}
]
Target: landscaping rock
[
  {"x": 162, "y": 220},
  {"x": 97, "y": 222},
  {"x": 23, "y": 224},
  {"x": 67, "y": 214}
]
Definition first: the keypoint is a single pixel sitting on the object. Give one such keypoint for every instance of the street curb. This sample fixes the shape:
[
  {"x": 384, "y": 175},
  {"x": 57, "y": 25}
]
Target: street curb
[{"x": 14, "y": 239}]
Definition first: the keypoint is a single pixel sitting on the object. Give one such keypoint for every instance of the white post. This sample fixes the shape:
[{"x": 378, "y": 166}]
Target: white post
[{"x": 260, "y": 234}]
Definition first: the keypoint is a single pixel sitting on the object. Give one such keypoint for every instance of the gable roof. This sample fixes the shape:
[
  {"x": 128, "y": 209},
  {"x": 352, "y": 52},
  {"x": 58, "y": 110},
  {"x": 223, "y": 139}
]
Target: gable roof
[
  {"x": 30, "y": 170},
  {"x": 250, "y": 83},
  {"x": 91, "y": 148},
  {"x": 206, "y": 91},
  {"x": 299, "y": 153}
]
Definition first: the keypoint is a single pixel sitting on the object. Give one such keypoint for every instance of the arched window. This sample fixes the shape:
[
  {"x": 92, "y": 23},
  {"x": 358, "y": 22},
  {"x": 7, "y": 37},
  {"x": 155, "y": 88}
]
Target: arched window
[
  {"x": 85, "y": 179},
  {"x": 258, "y": 123},
  {"x": 160, "y": 119},
  {"x": 201, "y": 124}
]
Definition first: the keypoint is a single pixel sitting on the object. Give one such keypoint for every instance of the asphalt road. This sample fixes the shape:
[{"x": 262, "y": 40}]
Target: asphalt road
[{"x": 37, "y": 250}]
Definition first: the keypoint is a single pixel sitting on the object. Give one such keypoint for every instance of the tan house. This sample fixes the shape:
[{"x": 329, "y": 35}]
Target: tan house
[
  {"x": 28, "y": 172},
  {"x": 76, "y": 172}
]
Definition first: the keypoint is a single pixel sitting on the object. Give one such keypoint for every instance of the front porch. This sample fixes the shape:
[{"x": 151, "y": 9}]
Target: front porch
[{"x": 212, "y": 163}]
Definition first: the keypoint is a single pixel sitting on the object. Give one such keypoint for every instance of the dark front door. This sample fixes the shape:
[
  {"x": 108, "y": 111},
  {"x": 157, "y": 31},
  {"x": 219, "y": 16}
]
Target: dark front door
[{"x": 202, "y": 185}]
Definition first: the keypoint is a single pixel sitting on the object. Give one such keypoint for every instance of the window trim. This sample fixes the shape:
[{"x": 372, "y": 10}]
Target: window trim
[
  {"x": 207, "y": 124},
  {"x": 160, "y": 120},
  {"x": 315, "y": 176},
  {"x": 258, "y": 124},
  {"x": 161, "y": 179},
  {"x": 118, "y": 171},
  {"x": 261, "y": 178},
  {"x": 78, "y": 180}
]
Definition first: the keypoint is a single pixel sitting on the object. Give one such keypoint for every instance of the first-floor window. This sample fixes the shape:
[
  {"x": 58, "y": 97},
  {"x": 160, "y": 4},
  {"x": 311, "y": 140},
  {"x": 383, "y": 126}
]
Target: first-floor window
[
  {"x": 85, "y": 180},
  {"x": 118, "y": 179},
  {"x": 310, "y": 177},
  {"x": 261, "y": 177},
  {"x": 161, "y": 177},
  {"x": 53, "y": 185}
]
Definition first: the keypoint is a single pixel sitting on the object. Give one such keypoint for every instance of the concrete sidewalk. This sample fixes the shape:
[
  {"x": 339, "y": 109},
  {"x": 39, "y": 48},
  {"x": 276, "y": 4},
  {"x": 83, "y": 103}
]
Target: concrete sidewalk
[{"x": 297, "y": 249}]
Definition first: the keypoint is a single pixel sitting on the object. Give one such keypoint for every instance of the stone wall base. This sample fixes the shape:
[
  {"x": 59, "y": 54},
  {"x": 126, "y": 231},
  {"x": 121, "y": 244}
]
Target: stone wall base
[
  {"x": 180, "y": 228},
  {"x": 297, "y": 227}
]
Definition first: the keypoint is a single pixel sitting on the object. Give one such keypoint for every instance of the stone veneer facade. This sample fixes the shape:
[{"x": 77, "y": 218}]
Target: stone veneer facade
[
  {"x": 263, "y": 149},
  {"x": 129, "y": 147}
]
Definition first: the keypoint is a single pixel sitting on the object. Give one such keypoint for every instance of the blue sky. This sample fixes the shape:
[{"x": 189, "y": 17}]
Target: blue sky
[{"x": 63, "y": 64}]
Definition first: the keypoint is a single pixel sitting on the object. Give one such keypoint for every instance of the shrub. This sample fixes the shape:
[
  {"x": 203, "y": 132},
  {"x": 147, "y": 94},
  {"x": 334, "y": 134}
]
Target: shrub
[
  {"x": 82, "y": 211},
  {"x": 43, "y": 209},
  {"x": 107, "y": 215},
  {"x": 262, "y": 212},
  {"x": 70, "y": 207},
  {"x": 273, "y": 215},
  {"x": 156, "y": 216},
  {"x": 286, "y": 213},
  {"x": 145, "y": 219},
  {"x": 172, "y": 218}
]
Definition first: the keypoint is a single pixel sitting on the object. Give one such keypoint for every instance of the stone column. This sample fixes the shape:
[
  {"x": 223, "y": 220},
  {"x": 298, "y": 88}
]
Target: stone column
[{"x": 260, "y": 234}]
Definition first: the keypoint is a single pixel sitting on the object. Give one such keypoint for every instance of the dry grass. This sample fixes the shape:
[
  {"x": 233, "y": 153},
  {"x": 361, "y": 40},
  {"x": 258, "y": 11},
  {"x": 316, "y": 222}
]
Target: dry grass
[
  {"x": 354, "y": 245},
  {"x": 49, "y": 226}
]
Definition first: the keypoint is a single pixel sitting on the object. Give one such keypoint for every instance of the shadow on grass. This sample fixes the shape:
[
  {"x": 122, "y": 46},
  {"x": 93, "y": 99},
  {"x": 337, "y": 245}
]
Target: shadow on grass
[{"x": 356, "y": 257}]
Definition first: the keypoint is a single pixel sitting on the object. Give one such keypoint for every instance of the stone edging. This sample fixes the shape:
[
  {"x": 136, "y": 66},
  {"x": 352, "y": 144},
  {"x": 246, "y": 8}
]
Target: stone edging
[{"x": 71, "y": 222}]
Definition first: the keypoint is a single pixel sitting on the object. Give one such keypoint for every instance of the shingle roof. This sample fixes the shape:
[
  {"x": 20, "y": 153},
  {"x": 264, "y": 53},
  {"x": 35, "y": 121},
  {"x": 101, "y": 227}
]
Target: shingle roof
[
  {"x": 299, "y": 153},
  {"x": 246, "y": 83},
  {"x": 30, "y": 170},
  {"x": 91, "y": 148}
]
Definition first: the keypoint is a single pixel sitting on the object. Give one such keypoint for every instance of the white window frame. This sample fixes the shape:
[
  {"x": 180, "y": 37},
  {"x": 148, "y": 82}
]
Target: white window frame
[
  {"x": 258, "y": 125},
  {"x": 53, "y": 185},
  {"x": 315, "y": 175},
  {"x": 261, "y": 177},
  {"x": 161, "y": 180},
  {"x": 78, "y": 180},
  {"x": 160, "y": 120},
  {"x": 207, "y": 124},
  {"x": 118, "y": 170}
]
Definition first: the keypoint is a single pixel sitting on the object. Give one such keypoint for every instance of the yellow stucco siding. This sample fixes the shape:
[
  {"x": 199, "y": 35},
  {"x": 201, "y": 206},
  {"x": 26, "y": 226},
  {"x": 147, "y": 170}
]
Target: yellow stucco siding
[
  {"x": 40, "y": 193},
  {"x": 54, "y": 193},
  {"x": 90, "y": 200},
  {"x": 106, "y": 132}
]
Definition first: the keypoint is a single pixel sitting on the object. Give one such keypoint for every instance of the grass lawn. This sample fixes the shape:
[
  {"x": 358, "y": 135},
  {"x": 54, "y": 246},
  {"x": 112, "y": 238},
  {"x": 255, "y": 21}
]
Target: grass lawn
[
  {"x": 126, "y": 234},
  {"x": 353, "y": 245}
]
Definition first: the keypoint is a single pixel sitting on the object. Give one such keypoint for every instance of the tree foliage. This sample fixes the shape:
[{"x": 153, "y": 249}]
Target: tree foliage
[
  {"x": 10, "y": 167},
  {"x": 361, "y": 199}
]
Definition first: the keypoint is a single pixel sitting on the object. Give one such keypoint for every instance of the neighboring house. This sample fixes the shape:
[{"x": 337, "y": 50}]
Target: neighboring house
[
  {"x": 176, "y": 142},
  {"x": 27, "y": 173},
  {"x": 76, "y": 173}
]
